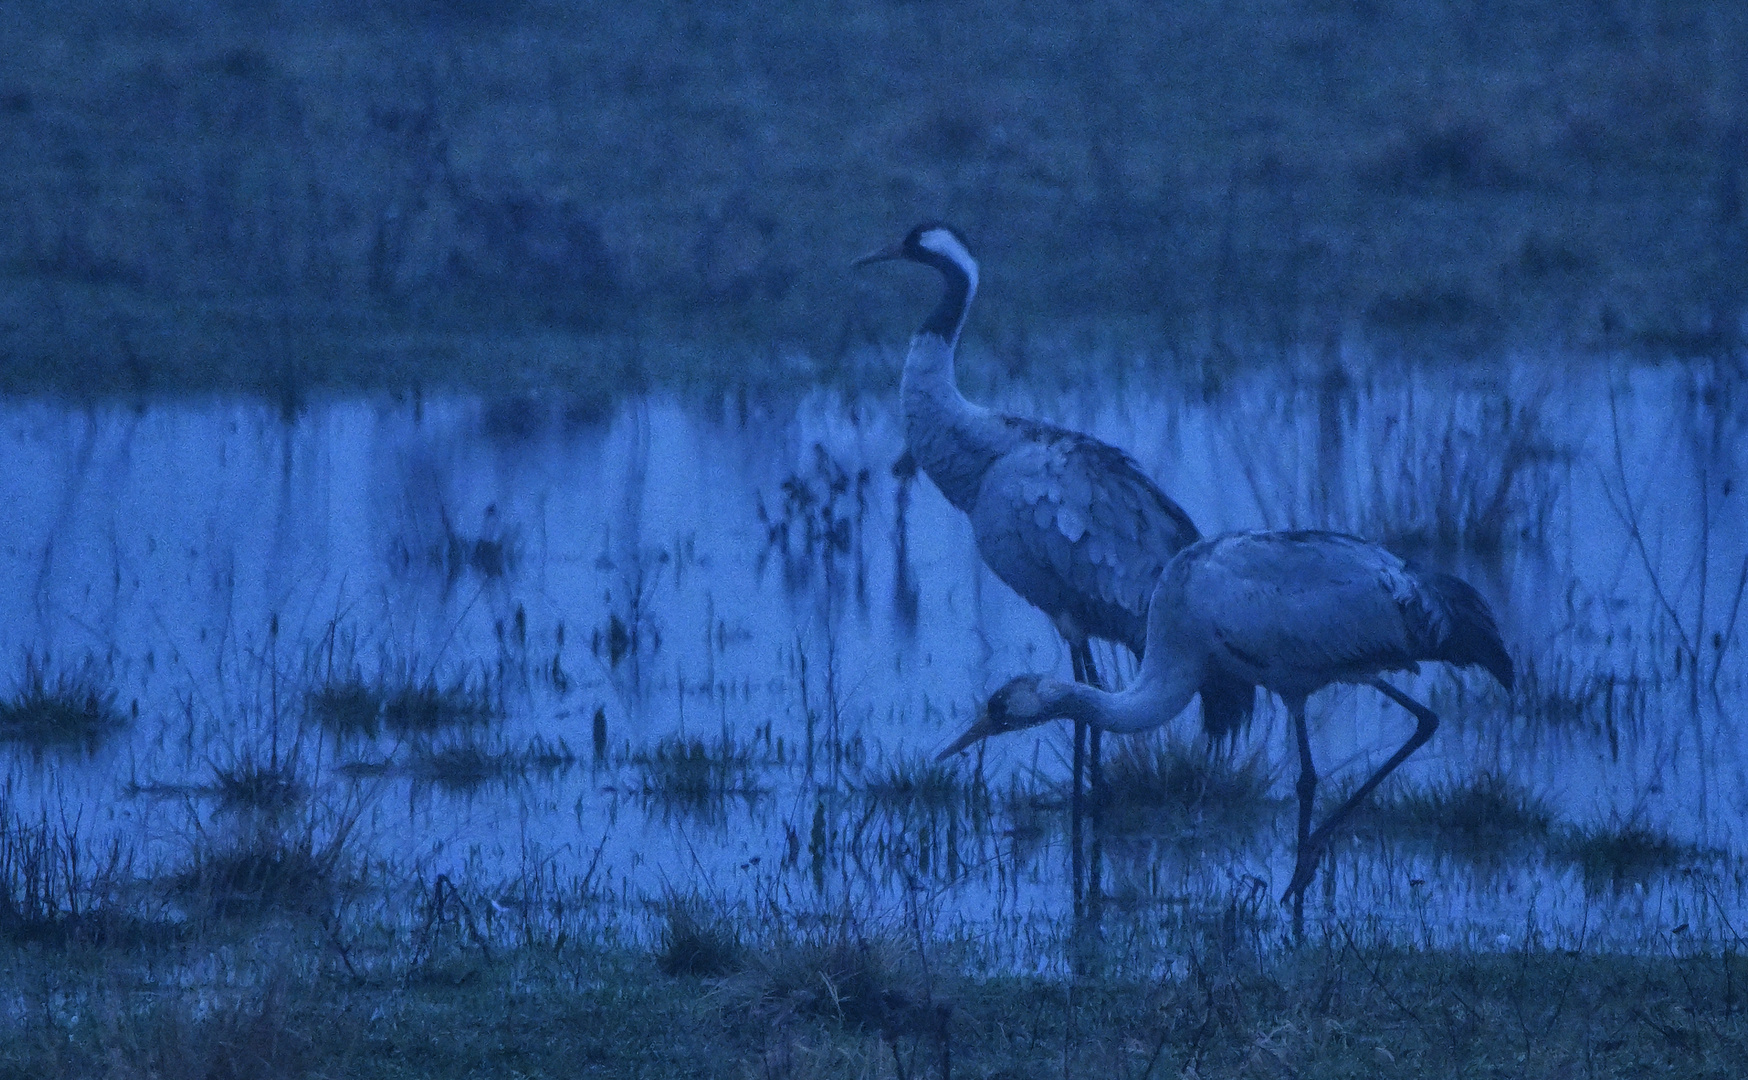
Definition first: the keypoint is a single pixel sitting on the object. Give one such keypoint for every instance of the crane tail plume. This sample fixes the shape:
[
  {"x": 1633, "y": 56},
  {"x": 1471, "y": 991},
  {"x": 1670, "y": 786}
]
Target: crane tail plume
[
  {"x": 1470, "y": 636},
  {"x": 1227, "y": 705}
]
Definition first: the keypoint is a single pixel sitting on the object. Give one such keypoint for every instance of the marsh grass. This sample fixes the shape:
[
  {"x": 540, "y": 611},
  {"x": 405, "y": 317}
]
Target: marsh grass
[
  {"x": 728, "y": 991},
  {"x": 274, "y": 1026},
  {"x": 1623, "y": 853},
  {"x": 347, "y": 706},
  {"x": 853, "y": 981},
  {"x": 696, "y": 937},
  {"x": 1155, "y": 781},
  {"x": 257, "y": 870},
  {"x": 294, "y": 857},
  {"x": 1472, "y": 480},
  {"x": 1483, "y": 818},
  {"x": 56, "y": 889},
  {"x": 64, "y": 708},
  {"x": 697, "y": 772},
  {"x": 462, "y": 765},
  {"x": 1560, "y": 694},
  {"x": 469, "y": 761},
  {"x": 425, "y": 707},
  {"x": 250, "y": 783},
  {"x": 400, "y": 703},
  {"x": 266, "y": 1032},
  {"x": 919, "y": 780}
]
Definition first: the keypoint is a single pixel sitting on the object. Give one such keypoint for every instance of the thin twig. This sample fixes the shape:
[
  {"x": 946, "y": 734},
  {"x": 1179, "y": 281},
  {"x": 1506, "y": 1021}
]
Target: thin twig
[
  {"x": 1729, "y": 631},
  {"x": 1376, "y": 977},
  {"x": 1630, "y": 518}
]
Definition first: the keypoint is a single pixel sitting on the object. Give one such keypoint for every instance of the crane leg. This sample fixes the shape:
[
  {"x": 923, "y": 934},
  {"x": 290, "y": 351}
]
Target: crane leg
[
  {"x": 1307, "y": 790},
  {"x": 1076, "y": 805},
  {"x": 1095, "y": 791},
  {"x": 1086, "y": 763},
  {"x": 1426, "y": 722},
  {"x": 1095, "y": 772}
]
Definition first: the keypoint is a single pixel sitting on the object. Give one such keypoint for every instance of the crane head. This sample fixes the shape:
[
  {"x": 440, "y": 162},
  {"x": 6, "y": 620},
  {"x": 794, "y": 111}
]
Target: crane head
[
  {"x": 932, "y": 243},
  {"x": 1022, "y": 702}
]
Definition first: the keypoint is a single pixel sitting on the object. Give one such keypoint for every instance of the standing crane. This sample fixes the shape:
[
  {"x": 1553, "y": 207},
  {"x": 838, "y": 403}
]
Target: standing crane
[
  {"x": 1070, "y": 523},
  {"x": 1292, "y": 612}
]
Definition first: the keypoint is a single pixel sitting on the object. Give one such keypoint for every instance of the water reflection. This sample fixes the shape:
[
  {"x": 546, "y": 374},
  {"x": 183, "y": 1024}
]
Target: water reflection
[{"x": 760, "y": 623}]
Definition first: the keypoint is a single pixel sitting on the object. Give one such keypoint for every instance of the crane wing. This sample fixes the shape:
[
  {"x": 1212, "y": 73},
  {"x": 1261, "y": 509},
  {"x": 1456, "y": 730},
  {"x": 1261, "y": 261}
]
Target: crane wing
[
  {"x": 1302, "y": 607},
  {"x": 1075, "y": 527}
]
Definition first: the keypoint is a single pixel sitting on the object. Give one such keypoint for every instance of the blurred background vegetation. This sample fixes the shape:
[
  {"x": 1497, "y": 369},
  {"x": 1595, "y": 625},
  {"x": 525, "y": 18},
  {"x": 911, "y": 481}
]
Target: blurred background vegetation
[{"x": 498, "y": 194}]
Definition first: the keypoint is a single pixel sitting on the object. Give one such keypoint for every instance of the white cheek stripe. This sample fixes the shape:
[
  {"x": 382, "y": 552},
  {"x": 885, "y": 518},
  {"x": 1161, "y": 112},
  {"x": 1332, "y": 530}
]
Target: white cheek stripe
[{"x": 945, "y": 243}]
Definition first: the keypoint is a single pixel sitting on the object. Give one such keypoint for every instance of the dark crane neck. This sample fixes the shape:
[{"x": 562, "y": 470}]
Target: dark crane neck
[{"x": 948, "y": 317}]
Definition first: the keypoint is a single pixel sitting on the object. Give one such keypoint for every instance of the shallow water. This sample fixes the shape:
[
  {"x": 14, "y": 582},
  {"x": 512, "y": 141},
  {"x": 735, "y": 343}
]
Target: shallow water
[{"x": 757, "y": 574}]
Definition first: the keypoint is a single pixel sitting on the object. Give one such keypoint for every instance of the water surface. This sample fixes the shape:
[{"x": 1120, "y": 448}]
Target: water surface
[{"x": 755, "y": 576}]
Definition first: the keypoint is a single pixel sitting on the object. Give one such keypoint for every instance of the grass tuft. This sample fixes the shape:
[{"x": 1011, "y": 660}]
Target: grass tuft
[
  {"x": 467, "y": 763},
  {"x": 1615, "y": 855},
  {"x": 251, "y": 784},
  {"x": 63, "y": 709},
  {"x": 697, "y": 940},
  {"x": 260, "y": 871},
  {"x": 917, "y": 780},
  {"x": 1155, "y": 779},
  {"x": 347, "y": 707},
  {"x": 425, "y": 707},
  {"x": 1484, "y": 817},
  {"x": 693, "y": 771},
  {"x": 866, "y": 984}
]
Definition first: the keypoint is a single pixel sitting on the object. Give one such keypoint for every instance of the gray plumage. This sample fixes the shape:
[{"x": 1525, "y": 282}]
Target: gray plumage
[
  {"x": 1070, "y": 523},
  {"x": 1296, "y": 611},
  {"x": 1292, "y": 612}
]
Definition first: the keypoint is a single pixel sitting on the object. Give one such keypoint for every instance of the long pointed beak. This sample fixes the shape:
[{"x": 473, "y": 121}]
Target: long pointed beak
[
  {"x": 885, "y": 254},
  {"x": 978, "y": 731}
]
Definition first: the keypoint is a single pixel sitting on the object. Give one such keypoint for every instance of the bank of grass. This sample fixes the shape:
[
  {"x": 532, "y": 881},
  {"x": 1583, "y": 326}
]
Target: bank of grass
[
  {"x": 593, "y": 199},
  {"x": 275, "y": 957},
  {"x": 302, "y": 1001}
]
